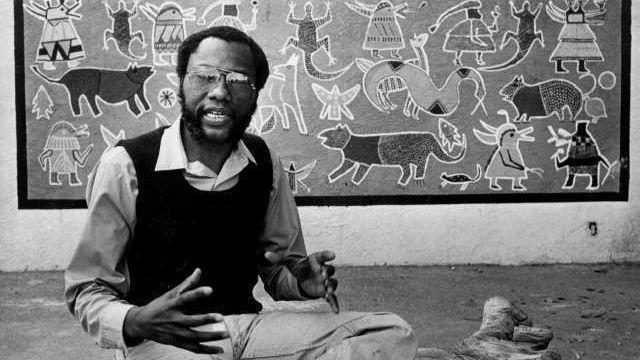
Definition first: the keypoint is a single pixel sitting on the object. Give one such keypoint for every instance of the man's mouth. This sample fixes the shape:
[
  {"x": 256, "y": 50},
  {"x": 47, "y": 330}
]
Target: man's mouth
[{"x": 215, "y": 116}]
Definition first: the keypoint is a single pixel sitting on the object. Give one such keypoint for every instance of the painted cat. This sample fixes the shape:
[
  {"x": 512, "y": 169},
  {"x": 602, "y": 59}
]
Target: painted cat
[
  {"x": 112, "y": 86},
  {"x": 409, "y": 151}
]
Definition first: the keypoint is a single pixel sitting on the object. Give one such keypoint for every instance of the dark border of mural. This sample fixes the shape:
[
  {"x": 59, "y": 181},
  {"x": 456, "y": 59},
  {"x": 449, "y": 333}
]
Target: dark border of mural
[{"x": 622, "y": 195}]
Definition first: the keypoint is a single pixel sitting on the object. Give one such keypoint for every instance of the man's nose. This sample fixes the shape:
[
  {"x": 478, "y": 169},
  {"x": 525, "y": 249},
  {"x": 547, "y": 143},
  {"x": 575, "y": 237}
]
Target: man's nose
[{"x": 219, "y": 90}]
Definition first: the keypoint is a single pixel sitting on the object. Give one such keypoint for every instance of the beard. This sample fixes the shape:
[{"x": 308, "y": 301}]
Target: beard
[{"x": 193, "y": 124}]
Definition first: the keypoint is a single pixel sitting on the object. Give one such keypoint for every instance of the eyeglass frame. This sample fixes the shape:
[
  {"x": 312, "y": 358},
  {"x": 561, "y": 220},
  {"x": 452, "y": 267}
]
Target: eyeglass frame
[{"x": 222, "y": 72}]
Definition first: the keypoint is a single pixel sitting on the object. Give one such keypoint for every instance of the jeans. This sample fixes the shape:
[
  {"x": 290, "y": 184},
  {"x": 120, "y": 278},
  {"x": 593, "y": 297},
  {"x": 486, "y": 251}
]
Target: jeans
[{"x": 300, "y": 336}]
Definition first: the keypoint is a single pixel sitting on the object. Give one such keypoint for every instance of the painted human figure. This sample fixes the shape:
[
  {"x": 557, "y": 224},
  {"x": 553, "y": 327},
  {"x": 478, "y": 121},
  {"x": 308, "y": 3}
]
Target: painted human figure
[
  {"x": 576, "y": 41},
  {"x": 471, "y": 34},
  {"x": 62, "y": 155},
  {"x": 60, "y": 41},
  {"x": 506, "y": 162},
  {"x": 383, "y": 31},
  {"x": 230, "y": 15},
  {"x": 168, "y": 29}
]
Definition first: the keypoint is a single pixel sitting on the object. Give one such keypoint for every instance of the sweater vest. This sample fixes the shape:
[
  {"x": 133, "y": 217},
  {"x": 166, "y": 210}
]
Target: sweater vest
[{"x": 180, "y": 228}]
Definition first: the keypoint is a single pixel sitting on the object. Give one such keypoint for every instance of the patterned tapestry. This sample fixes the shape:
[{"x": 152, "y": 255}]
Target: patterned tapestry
[{"x": 367, "y": 101}]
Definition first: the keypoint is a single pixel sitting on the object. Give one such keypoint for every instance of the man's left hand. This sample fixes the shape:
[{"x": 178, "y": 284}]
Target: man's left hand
[{"x": 315, "y": 276}]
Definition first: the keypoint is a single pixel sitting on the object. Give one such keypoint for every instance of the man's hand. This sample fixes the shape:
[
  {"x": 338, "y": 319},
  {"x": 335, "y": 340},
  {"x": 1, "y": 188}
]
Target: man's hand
[
  {"x": 164, "y": 319},
  {"x": 314, "y": 275}
]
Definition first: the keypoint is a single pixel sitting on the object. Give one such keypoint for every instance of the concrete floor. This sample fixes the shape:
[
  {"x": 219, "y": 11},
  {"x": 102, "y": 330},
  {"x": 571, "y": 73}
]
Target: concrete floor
[{"x": 594, "y": 310}]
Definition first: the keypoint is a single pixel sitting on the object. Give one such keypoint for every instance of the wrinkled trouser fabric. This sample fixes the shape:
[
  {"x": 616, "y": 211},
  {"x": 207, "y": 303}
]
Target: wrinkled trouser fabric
[{"x": 286, "y": 335}]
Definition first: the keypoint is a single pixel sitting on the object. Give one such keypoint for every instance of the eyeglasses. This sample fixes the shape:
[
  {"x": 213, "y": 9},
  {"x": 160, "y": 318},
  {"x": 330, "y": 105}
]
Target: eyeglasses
[{"x": 238, "y": 84}]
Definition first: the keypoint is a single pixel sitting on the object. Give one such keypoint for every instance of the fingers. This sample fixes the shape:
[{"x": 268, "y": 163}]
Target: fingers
[
  {"x": 193, "y": 295},
  {"x": 273, "y": 257},
  {"x": 190, "y": 282},
  {"x": 201, "y": 319}
]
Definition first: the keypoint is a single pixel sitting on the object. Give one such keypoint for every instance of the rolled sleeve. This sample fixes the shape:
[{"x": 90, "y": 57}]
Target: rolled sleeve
[
  {"x": 97, "y": 277},
  {"x": 282, "y": 234}
]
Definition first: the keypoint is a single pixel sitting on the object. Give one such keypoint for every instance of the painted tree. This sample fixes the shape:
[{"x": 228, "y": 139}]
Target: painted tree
[{"x": 42, "y": 104}]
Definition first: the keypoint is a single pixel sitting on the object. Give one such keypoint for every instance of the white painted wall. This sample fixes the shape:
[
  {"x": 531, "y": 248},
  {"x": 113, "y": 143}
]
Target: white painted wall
[{"x": 430, "y": 234}]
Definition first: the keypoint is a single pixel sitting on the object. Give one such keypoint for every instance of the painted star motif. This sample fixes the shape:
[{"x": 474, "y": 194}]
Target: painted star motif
[{"x": 334, "y": 103}]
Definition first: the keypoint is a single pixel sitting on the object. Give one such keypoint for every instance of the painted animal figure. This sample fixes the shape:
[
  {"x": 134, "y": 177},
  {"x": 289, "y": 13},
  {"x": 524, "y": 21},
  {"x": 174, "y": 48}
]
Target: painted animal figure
[
  {"x": 279, "y": 100},
  {"x": 526, "y": 36},
  {"x": 460, "y": 179},
  {"x": 409, "y": 151},
  {"x": 307, "y": 40},
  {"x": 121, "y": 30},
  {"x": 389, "y": 76},
  {"x": 506, "y": 162},
  {"x": 112, "y": 86},
  {"x": 230, "y": 16},
  {"x": 544, "y": 98}
]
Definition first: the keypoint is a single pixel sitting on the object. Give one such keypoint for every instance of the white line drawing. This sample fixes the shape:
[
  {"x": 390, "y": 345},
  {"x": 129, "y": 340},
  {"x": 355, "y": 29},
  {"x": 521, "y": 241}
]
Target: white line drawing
[
  {"x": 576, "y": 41},
  {"x": 173, "y": 78},
  {"x": 306, "y": 40},
  {"x": 595, "y": 109},
  {"x": 471, "y": 34},
  {"x": 169, "y": 31},
  {"x": 408, "y": 151},
  {"x": 120, "y": 31},
  {"x": 110, "y": 138},
  {"x": 62, "y": 155},
  {"x": 334, "y": 102},
  {"x": 383, "y": 32},
  {"x": 161, "y": 120},
  {"x": 545, "y": 98},
  {"x": 279, "y": 99},
  {"x": 60, "y": 41},
  {"x": 583, "y": 155},
  {"x": 506, "y": 162},
  {"x": 296, "y": 176},
  {"x": 449, "y": 134},
  {"x": 42, "y": 105},
  {"x": 109, "y": 85},
  {"x": 526, "y": 35},
  {"x": 607, "y": 80},
  {"x": 389, "y": 76},
  {"x": 460, "y": 178},
  {"x": 167, "y": 98},
  {"x": 229, "y": 16}
]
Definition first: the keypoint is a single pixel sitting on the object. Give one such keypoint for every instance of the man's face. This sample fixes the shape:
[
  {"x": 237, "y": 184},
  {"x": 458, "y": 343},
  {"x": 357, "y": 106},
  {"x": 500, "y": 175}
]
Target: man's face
[{"x": 218, "y": 113}]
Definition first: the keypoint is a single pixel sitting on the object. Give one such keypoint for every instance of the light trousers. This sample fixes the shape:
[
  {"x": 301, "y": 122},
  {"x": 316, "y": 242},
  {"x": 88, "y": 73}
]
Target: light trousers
[{"x": 286, "y": 335}]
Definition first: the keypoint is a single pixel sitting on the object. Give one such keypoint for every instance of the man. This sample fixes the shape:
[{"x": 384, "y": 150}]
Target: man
[{"x": 183, "y": 219}]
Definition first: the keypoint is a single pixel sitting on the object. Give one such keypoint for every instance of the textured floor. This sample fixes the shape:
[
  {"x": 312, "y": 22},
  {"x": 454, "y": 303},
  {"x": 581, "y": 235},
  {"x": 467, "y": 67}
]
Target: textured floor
[{"x": 594, "y": 310}]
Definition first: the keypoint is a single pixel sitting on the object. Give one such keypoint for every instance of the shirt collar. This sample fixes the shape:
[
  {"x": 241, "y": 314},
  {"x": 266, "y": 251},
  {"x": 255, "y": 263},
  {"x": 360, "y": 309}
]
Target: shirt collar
[{"x": 173, "y": 157}]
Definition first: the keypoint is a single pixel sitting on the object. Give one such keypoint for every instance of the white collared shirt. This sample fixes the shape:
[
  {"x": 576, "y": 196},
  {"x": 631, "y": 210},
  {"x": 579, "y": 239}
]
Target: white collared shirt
[{"x": 97, "y": 278}]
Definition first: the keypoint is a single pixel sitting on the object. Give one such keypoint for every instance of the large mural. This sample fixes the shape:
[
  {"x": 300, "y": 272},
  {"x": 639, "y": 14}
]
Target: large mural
[{"x": 367, "y": 101}]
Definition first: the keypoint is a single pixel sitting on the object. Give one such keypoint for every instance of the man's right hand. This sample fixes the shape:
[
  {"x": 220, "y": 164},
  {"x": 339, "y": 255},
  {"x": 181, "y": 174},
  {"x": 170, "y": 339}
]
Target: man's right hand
[{"x": 164, "y": 320}]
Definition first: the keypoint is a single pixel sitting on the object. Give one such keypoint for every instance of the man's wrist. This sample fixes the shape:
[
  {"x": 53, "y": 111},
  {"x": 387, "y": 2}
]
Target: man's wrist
[
  {"x": 303, "y": 293},
  {"x": 129, "y": 328}
]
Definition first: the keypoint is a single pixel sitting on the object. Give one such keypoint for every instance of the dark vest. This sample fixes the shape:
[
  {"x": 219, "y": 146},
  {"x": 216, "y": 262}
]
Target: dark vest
[{"x": 179, "y": 228}]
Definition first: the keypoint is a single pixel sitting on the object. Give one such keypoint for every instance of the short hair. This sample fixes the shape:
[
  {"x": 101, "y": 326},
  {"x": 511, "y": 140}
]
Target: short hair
[{"x": 228, "y": 34}]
